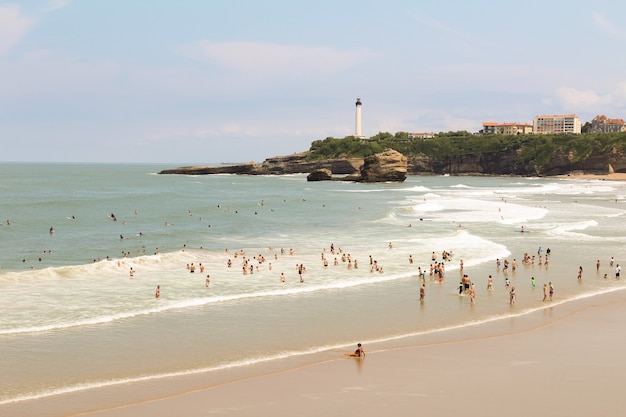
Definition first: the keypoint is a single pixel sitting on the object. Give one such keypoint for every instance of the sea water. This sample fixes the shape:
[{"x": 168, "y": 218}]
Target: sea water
[{"x": 74, "y": 318}]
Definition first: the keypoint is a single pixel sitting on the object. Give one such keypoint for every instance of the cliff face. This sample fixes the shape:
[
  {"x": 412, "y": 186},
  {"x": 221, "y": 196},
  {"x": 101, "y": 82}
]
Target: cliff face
[
  {"x": 468, "y": 164},
  {"x": 510, "y": 164},
  {"x": 297, "y": 164}
]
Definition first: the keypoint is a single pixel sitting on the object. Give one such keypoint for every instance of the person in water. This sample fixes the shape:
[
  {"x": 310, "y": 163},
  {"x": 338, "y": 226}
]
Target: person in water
[{"x": 358, "y": 353}]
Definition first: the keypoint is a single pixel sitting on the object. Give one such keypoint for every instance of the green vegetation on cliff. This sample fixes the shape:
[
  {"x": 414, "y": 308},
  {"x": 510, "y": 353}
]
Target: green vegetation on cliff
[{"x": 535, "y": 149}]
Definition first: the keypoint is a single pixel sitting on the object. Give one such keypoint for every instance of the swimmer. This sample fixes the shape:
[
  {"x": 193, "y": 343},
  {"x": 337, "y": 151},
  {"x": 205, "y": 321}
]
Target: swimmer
[{"x": 157, "y": 294}]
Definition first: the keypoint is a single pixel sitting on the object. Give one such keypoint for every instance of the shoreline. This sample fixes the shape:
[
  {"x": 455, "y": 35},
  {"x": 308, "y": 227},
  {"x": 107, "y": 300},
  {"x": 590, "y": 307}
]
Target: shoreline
[{"x": 546, "y": 357}]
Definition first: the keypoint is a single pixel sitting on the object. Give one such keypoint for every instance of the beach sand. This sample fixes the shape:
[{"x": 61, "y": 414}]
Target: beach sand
[
  {"x": 564, "y": 360},
  {"x": 617, "y": 176}
]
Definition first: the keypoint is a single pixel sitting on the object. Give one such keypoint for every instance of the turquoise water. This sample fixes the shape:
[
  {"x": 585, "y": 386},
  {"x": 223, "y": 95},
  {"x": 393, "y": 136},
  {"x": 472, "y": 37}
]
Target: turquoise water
[{"x": 73, "y": 318}]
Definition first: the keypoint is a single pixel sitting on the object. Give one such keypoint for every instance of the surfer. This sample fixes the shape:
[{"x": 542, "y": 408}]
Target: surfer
[{"x": 358, "y": 353}]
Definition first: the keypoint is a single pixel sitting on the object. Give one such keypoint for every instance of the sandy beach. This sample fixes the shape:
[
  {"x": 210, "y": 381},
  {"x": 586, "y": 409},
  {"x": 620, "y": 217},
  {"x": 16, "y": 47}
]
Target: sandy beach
[
  {"x": 614, "y": 176},
  {"x": 565, "y": 360}
]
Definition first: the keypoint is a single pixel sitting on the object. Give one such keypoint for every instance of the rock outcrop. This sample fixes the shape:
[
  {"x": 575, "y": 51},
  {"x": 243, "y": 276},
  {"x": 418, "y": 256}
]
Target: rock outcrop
[
  {"x": 386, "y": 166},
  {"x": 322, "y": 174}
]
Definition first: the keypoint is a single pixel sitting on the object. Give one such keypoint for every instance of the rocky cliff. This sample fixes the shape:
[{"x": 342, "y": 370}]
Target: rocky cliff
[
  {"x": 510, "y": 163},
  {"x": 503, "y": 163},
  {"x": 389, "y": 165},
  {"x": 386, "y": 166}
]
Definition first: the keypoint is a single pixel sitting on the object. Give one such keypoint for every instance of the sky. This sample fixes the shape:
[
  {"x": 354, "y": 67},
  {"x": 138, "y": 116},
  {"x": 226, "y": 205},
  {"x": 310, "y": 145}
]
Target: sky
[{"x": 204, "y": 82}]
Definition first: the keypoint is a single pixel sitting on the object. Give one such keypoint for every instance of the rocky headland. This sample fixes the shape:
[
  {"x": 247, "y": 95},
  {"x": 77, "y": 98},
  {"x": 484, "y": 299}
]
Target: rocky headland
[
  {"x": 392, "y": 166},
  {"x": 289, "y": 164}
]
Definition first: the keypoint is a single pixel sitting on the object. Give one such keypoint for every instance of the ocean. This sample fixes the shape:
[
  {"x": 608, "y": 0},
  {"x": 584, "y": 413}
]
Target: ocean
[{"x": 74, "y": 318}]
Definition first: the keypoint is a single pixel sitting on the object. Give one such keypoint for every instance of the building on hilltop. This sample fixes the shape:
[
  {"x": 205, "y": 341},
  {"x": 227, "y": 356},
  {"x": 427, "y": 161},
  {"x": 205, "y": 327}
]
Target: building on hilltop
[
  {"x": 421, "y": 135},
  {"x": 555, "y": 124},
  {"x": 495, "y": 128},
  {"x": 600, "y": 124}
]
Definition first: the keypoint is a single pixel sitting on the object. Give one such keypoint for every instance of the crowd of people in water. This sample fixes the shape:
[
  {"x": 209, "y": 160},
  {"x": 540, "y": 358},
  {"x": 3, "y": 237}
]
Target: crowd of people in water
[
  {"x": 335, "y": 256},
  {"x": 436, "y": 272}
]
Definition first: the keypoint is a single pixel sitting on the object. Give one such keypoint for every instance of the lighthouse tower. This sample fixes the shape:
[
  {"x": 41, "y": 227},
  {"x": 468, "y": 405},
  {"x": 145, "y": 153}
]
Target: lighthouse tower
[{"x": 357, "y": 127}]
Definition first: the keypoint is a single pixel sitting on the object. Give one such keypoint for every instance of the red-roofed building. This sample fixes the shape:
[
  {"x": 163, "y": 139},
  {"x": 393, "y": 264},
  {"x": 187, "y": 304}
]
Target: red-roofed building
[{"x": 601, "y": 124}]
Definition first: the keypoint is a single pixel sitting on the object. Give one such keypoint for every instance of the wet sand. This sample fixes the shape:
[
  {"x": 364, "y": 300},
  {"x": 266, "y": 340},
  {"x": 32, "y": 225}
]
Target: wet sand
[{"x": 565, "y": 360}]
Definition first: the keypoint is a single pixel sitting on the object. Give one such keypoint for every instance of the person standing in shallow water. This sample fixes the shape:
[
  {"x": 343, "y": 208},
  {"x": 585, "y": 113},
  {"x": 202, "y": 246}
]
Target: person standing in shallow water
[
  {"x": 512, "y": 296},
  {"x": 551, "y": 287},
  {"x": 157, "y": 294}
]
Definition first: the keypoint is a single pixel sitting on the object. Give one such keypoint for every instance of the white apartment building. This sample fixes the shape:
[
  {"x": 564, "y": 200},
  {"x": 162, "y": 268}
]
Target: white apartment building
[
  {"x": 421, "y": 135},
  {"x": 554, "y": 124}
]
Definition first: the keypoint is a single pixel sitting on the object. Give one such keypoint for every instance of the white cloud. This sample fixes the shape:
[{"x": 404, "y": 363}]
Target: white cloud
[
  {"x": 268, "y": 60},
  {"x": 54, "y": 5},
  {"x": 434, "y": 24},
  {"x": 570, "y": 97},
  {"x": 13, "y": 27},
  {"x": 607, "y": 26}
]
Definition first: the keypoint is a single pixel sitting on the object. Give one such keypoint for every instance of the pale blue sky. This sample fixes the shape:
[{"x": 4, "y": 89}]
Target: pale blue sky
[{"x": 180, "y": 82}]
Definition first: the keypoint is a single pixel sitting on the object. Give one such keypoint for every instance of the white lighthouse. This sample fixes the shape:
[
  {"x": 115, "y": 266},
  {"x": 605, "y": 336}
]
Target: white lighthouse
[{"x": 357, "y": 127}]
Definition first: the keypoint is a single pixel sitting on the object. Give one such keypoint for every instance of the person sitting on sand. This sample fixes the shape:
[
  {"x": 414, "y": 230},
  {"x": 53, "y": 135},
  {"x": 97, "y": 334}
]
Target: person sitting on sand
[{"x": 358, "y": 353}]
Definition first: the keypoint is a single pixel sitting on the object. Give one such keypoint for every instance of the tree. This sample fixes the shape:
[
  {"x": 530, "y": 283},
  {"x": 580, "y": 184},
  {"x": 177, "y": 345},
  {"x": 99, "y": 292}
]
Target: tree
[{"x": 586, "y": 128}]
